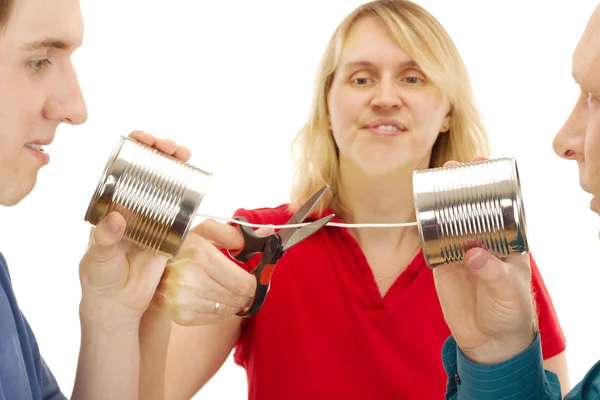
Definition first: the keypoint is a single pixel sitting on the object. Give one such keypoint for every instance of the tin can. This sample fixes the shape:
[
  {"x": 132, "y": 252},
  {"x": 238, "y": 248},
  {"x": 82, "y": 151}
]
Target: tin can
[
  {"x": 157, "y": 195},
  {"x": 476, "y": 204}
]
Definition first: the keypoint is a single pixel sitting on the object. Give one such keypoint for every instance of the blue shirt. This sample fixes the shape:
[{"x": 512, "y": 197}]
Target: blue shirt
[
  {"x": 522, "y": 377},
  {"x": 23, "y": 373}
]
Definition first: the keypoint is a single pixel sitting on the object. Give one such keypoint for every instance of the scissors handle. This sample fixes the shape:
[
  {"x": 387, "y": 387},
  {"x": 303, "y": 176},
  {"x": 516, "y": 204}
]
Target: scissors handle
[
  {"x": 253, "y": 244},
  {"x": 263, "y": 271},
  {"x": 271, "y": 249}
]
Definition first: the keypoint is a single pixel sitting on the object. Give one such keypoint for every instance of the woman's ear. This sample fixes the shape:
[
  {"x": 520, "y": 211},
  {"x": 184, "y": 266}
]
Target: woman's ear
[{"x": 446, "y": 123}]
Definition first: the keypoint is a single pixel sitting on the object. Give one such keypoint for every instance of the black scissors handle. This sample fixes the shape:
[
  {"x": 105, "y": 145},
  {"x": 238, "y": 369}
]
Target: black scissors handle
[
  {"x": 271, "y": 249},
  {"x": 253, "y": 244}
]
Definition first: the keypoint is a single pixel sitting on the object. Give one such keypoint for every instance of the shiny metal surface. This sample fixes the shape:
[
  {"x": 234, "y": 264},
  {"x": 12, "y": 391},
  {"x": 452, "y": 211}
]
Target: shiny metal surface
[
  {"x": 468, "y": 205},
  {"x": 157, "y": 194}
]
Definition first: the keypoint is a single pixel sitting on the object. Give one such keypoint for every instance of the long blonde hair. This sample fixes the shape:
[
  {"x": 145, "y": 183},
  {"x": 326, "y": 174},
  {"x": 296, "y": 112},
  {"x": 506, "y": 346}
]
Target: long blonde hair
[{"x": 419, "y": 34}]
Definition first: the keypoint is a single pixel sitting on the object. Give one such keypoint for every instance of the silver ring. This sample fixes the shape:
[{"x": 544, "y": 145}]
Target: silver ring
[{"x": 216, "y": 309}]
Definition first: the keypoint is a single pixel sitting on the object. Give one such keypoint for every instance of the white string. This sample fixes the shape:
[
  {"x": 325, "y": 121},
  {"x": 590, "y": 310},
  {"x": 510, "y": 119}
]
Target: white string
[{"x": 337, "y": 224}]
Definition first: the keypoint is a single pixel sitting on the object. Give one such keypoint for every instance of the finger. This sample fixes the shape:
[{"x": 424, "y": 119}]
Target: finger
[
  {"x": 193, "y": 311},
  {"x": 479, "y": 158},
  {"x": 202, "y": 255},
  {"x": 213, "y": 291},
  {"x": 265, "y": 231},
  {"x": 167, "y": 146},
  {"x": 210, "y": 307},
  {"x": 183, "y": 153},
  {"x": 106, "y": 237},
  {"x": 182, "y": 316},
  {"x": 196, "y": 281},
  {"x": 227, "y": 273},
  {"x": 143, "y": 137},
  {"x": 188, "y": 300},
  {"x": 450, "y": 163},
  {"x": 221, "y": 235}
]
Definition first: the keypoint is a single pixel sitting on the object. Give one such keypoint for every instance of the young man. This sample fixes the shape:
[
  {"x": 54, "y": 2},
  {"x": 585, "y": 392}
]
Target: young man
[
  {"x": 494, "y": 351},
  {"x": 38, "y": 91}
]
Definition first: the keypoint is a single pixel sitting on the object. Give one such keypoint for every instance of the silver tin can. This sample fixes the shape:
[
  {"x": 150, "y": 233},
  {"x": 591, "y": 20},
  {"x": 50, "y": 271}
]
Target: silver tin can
[
  {"x": 470, "y": 205},
  {"x": 157, "y": 195}
]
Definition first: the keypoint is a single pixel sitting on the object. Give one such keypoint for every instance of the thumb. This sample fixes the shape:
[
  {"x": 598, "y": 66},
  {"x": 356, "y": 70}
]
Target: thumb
[
  {"x": 106, "y": 237},
  {"x": 486, "y": 268}
]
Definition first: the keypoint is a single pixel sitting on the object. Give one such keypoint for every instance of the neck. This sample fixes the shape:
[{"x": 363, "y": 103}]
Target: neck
[{"x": 380, "y": 199}]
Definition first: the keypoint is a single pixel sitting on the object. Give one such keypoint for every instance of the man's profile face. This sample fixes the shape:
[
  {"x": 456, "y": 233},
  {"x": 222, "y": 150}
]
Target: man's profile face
[
  {"x": 579, "y": 138},
  {"x": 38, "y": 88}
]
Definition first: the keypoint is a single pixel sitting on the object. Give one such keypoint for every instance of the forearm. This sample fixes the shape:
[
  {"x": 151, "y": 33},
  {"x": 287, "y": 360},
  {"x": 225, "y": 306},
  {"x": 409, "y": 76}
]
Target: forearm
[
  {"x": 155, "y": 332},
  {"x": 109, "y": 360}
]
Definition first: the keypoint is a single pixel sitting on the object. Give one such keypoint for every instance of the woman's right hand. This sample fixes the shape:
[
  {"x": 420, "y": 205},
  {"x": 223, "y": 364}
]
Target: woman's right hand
[{"x": 201, "y": 285}]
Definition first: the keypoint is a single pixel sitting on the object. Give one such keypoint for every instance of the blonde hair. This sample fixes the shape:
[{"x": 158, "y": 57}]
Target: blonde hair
[
  {"x": 6, "y": 7},
  {"x": 419, "y": 34}
]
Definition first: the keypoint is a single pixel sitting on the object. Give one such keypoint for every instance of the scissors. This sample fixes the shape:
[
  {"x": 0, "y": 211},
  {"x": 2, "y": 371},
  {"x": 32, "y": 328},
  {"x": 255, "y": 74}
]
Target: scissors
[{"x": 274, "y": 246}]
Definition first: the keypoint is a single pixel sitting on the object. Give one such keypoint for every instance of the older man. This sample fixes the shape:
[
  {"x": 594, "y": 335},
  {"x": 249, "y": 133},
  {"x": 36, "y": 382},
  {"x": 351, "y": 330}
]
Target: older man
[{"x": 494, "y": 351}]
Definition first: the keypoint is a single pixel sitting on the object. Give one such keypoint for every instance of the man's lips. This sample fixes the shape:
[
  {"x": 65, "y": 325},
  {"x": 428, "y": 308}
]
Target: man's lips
[{"x": 35, "y": 147}]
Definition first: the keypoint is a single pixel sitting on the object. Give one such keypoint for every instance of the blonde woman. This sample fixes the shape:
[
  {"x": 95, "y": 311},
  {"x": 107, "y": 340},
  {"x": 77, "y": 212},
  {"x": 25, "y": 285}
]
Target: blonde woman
[{"x": 352, "y": 313}]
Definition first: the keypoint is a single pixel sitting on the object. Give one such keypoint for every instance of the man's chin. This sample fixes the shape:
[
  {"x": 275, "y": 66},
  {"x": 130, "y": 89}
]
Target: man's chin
[{"x": 14, "y": 195}]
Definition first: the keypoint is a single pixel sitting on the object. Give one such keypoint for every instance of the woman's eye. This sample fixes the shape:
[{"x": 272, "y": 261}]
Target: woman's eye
[
  {"x": 413, "y": 80},
  {"x": 361, "y": 81}
]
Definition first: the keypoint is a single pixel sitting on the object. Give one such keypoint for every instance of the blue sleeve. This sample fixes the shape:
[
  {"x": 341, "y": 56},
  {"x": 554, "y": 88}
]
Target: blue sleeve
[
  {"x": 48, "y": 386},
  {"x": 20, "y": 348},
  {"x": 589, "y": 387},
  {"x": 522, "y": 377}
]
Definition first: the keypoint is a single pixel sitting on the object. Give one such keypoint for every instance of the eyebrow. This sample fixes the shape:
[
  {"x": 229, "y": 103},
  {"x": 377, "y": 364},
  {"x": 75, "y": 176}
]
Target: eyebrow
[
  {"x": 46, "y": 44},
  {"x": 368, "y": 64}
]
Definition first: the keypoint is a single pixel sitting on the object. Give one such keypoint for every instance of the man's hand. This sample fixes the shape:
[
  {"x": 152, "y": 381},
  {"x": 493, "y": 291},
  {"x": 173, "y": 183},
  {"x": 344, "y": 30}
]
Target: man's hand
[
  {"x": 118, "y": 279},
  {"x": 488, "y": 304}
]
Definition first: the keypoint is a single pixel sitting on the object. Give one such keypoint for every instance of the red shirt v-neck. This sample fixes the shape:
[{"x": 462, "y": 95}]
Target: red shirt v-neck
[{"x": 325, "y": 332}]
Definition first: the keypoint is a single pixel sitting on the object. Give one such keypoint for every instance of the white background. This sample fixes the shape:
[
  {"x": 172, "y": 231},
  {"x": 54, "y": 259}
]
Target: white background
[{"x": 233, "y": 79}]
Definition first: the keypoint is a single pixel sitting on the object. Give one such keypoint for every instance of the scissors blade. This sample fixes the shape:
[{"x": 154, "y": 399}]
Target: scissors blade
[
  {"x": 301, "y": 214},
  {"x": 300, "y": 234}
]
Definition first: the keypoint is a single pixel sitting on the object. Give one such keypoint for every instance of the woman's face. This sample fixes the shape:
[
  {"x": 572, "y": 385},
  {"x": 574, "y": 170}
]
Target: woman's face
[{"x": 384, "y": 113}]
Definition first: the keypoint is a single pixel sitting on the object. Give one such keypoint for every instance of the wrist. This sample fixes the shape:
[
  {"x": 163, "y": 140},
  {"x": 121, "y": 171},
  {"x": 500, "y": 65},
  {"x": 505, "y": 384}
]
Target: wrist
[
  {"x": 107, "y": 315},
  {"x": 499, "y": 350}
]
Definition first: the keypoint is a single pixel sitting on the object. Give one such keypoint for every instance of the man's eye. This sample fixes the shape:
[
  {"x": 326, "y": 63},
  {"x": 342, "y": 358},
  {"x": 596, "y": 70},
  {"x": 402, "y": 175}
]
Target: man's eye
[{"x": 38, "y": 65}]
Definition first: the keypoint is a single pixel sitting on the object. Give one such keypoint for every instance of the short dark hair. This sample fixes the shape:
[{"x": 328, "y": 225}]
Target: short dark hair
[{"x": 5, "y": 11}]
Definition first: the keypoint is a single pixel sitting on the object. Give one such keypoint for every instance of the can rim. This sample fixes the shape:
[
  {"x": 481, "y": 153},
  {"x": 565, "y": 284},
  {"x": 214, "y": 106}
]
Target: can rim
[
  {"x": 519, "y": 204},
  {"x": 102, "y": 181},
  {"x": 187, "y": 229},
  {"x": 426, "y": 255}
]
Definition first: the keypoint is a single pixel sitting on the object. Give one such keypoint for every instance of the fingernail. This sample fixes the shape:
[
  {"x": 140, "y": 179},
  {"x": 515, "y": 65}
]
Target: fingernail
[
  {"x": 112, "y": 225},
  {"x": 478, "y": 261}
]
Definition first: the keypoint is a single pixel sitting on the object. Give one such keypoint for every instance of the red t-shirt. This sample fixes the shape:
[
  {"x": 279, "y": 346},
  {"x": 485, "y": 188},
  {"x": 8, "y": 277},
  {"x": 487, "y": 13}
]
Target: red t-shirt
[{"x": 325, "y": 332}]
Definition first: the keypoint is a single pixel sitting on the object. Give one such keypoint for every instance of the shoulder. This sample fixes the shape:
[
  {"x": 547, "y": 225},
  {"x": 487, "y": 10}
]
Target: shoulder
[
  {"x": 4, "y": 273},
  {"x": 536, "y": 275},
  {"x": 3, "y": 262},
  {"x": 537, "y": 281},
  {"x": 553, "y": 338}
]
